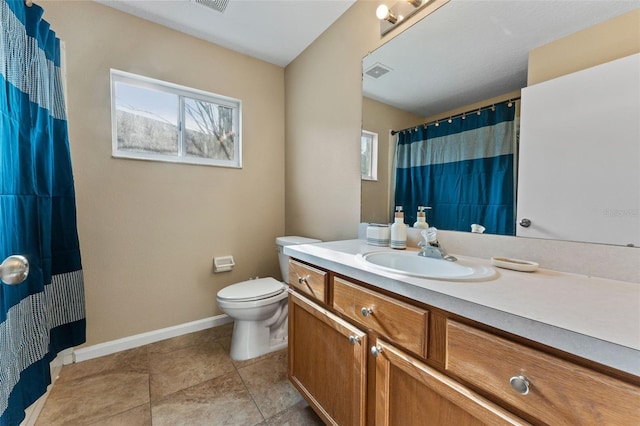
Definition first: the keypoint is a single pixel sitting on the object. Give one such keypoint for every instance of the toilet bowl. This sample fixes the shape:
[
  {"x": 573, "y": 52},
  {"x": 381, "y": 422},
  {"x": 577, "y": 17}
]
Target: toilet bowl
[{"x": 259, "y": 309}]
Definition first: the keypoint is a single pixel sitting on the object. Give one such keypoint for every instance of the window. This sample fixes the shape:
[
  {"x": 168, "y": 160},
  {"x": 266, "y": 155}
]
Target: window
[
  {"x": 369, "y": 154},
  {"x": 156, "y": 120}
]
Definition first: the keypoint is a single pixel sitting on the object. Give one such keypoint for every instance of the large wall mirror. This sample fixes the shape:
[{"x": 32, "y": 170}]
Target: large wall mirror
[{"x": 468, "y": 55}]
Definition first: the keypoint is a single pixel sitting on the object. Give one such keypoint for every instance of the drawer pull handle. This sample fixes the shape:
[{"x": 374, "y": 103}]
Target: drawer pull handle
[
  {"x": 303, "y": 280},
  {"x": 366, "y": 312},
  {"x": 376, "y": 350},
  {"x": 520, "y": 384},
  {"x": 354, "y": 339}
]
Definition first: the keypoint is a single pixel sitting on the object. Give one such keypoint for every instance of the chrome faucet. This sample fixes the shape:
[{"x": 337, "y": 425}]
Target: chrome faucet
[{"x": 432, "y": 248}]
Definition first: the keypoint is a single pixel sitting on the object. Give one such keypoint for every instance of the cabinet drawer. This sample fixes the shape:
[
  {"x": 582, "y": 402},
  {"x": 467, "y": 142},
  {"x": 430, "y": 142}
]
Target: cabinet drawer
[
  {"x": 308, "y": 280},
  {"x": 558, "y": 391},
  {"x": 401, "y": 323}
]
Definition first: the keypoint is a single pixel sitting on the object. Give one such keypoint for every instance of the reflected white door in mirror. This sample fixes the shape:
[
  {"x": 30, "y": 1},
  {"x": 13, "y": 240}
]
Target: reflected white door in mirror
[{"x": 562, "y": 191}]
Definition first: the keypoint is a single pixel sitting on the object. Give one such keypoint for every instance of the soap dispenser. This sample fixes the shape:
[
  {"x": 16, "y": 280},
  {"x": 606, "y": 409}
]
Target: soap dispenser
[
  {"x": 398, "y": 231},
  {"x": 422, "y": 218}
]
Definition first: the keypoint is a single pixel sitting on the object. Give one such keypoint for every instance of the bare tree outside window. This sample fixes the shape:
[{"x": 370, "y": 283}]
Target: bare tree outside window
[{"x": 209, "y": 130}]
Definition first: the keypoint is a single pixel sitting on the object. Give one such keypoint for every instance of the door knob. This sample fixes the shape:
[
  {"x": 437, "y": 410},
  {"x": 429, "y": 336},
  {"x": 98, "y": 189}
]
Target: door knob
[
  {"x": 525, "y": 223},
  {"x": 14, "y": 269}
]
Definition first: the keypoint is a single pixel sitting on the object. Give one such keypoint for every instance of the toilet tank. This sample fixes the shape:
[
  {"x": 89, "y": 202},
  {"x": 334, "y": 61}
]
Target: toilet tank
[{"x": 281, "y": 242}]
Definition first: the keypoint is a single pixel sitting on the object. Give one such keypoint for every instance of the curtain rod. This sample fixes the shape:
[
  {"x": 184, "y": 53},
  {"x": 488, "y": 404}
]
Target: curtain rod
[{"x": 462, "y": 114}]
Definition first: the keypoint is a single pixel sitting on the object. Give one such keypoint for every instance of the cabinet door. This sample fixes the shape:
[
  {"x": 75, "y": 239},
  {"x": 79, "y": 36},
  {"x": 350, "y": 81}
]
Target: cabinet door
[
  {"x": 408, "y": 392},
  {"x": 327, "y": 362}
]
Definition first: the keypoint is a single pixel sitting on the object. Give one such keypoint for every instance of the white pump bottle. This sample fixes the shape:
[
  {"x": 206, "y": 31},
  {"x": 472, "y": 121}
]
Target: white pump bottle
[
  {"x": 398, "y": 231},
  {"x": 422, "y": 218}
]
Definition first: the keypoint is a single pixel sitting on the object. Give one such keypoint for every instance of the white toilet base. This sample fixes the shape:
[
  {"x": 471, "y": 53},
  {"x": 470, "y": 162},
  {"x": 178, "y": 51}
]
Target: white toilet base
[{"x": 252, "y": 339}]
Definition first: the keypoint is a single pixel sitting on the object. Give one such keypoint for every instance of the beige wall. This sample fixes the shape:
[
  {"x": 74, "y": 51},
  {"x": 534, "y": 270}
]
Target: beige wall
[
  {"x": 376, "y": 196},
  {"x": 324, "y": 117},
  {"x": 610, "y": 40},
  {"x": 148, "y": 230}
]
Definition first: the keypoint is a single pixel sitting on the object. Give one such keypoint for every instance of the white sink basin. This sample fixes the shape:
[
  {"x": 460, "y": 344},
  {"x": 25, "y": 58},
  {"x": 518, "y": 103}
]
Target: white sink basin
[{"x": 409, "y": 263}]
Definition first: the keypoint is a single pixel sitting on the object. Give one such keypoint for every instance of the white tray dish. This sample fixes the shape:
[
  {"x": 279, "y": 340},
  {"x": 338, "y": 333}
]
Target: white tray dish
[{"x": 514, "y": 264}]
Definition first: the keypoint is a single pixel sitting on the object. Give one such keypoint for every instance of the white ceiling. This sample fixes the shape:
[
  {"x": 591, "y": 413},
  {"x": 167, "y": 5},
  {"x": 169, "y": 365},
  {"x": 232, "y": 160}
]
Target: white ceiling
[
  {"x": 276, "y": 31},
  {"x": 472, "y": 50}
]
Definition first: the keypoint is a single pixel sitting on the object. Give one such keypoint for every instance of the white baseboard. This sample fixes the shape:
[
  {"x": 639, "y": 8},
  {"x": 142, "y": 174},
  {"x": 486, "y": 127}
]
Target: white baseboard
[{"x": 107, "y": 348}]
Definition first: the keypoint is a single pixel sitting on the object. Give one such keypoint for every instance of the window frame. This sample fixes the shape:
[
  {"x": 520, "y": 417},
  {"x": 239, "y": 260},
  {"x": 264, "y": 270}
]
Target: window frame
[
  {"x": 181, "y": 92},
  {"x": 373, "y": 175}
]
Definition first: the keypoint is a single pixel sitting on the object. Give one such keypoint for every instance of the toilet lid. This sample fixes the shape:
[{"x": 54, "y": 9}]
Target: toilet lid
[{"x": 260, "y": 288}]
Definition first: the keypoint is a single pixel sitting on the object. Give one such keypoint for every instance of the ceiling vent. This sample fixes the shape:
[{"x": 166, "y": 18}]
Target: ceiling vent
[
  {"x": 377, "y": 70},
  {"x": 217, "y": 5}
]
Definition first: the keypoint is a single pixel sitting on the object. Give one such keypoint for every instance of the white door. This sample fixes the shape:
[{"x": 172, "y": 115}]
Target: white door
[{"x": 579, "y": 169}]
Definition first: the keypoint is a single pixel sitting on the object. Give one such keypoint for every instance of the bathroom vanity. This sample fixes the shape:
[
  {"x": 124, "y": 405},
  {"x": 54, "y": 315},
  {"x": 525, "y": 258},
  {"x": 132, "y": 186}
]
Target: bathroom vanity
[{"x": 378, "y": 348}]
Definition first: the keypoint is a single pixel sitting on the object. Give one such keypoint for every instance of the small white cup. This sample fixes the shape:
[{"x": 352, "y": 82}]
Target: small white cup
[{"x": 477, "y": 229}]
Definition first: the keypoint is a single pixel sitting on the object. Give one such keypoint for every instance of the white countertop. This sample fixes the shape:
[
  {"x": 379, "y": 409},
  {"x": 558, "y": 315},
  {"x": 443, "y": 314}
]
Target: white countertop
[{"x": 594, "y": 318}]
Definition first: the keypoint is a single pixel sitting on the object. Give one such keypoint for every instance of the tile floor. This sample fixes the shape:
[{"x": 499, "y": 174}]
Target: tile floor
[{"x": 187, "y": 380}]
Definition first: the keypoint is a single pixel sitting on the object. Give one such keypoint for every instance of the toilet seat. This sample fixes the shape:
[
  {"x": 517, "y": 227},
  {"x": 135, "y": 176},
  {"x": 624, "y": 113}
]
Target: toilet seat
[{"x": 246, "y": 291}]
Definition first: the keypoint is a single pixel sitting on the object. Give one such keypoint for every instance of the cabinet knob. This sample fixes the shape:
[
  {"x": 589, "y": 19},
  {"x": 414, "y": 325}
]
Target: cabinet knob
[
  {"x": 376, "y": 350},
  {"x": 520, "y": 384},
  {"x": 303, "y": 279},
  {"x": 354, "y": 339},
  {"x": 525, "y": 223},
  {"x": 366, "y": 311}
]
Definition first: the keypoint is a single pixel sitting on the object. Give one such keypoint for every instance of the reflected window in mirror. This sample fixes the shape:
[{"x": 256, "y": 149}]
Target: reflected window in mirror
[{"x": 369, "y": 155}]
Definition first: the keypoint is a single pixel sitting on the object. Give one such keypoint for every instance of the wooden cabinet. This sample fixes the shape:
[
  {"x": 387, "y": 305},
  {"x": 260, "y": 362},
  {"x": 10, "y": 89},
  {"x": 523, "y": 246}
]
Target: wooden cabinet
[
  {"x": 309, "y": 280},
  {"x": 362, "y": 356},
  {"x": 399, "y": 322},
  {"x": 552, "y": 390},
  {"x": 409, "y": 392},
  {"x": 327, "y": 362}
]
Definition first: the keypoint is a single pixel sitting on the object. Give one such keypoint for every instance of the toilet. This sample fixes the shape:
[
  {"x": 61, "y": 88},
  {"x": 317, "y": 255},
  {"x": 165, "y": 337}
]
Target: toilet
[{"x": 259, "y": 309}]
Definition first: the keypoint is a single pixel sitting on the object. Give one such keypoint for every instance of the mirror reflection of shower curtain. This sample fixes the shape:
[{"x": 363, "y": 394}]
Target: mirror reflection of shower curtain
[
  {"x": 45, "y": 313},
  {"x": 463, "y": 170}
]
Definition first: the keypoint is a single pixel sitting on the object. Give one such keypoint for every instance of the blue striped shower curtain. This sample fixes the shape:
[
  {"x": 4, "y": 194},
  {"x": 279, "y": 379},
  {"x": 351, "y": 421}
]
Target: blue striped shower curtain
[
  {"x": 464, "y": 170},
  {"x": 44, "y": 314}
]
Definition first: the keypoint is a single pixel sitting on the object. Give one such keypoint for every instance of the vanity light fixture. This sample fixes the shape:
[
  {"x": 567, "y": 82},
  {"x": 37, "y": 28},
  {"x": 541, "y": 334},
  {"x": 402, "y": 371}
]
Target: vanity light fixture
[
  {"x": 383, "y": 13},
  {"x": 399, "y": 12}
]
